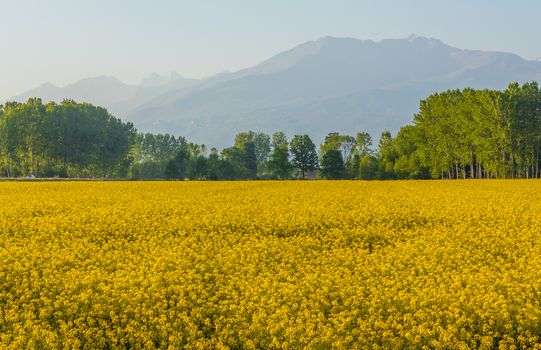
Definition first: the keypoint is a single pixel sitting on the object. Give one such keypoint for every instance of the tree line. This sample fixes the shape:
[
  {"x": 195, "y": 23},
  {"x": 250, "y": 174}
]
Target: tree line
[
  {"x": 66, "y": 140},
  {"x": 456, "y": 134},
  {"x": 471, "y": 134}
]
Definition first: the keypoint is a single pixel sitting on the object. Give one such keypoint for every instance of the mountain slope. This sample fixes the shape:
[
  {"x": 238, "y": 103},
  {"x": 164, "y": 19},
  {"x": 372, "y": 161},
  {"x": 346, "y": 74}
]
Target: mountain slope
[
  {"x": 332, "y": 84},
  {"x": 151, "y": 87},
  {"x": 109, "y": 92},
  {"x": 102, "y": 91}
]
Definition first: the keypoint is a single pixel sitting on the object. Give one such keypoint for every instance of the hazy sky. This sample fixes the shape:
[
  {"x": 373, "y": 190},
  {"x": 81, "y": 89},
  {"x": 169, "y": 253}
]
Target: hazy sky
[{"x": 61, "y": 41}]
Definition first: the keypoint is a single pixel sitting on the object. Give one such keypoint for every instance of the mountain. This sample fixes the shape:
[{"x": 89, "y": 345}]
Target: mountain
[
  {"x": 330, "y": 84},
  {"x": 109, "y": 92},
  {"x": 102, "y": 91},
  {"x": 149, "y": 88}
]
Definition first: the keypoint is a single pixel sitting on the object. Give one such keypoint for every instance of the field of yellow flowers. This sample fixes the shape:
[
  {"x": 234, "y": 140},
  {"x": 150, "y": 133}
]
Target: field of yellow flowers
[{"x": 263, "y": 265}]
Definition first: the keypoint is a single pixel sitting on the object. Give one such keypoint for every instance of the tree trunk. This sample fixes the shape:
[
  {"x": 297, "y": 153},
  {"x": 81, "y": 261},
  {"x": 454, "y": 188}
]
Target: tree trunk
[
  {"x": 537, "y": 163},
  {"x": 512, "y": 165},
  {"x": 472, "y": 169}
]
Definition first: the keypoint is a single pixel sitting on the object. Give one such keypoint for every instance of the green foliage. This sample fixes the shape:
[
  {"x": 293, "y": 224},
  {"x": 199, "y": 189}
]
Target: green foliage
[
  {"x": 368, "y": 168},
  {"x": 261, "y": 144},
  {"x": 279, "y": 164},
  {"x": 332, "y": 165},
  {"x": 475, "y": 134},
  {"x": 456, "y": 134},
  {"x": 387, "y": 156},
  {"x": 153, "y": 153},
  {"x": 249, "y": 160},
  {"x": 304, "y": 155},
  {"x": 172, "y": 170},
  {"x": 364, "y": 142},
  {"x": 240, "y": 163},
  {"x": 347, "y": 147},
  {"x": 69, "y": 139}
]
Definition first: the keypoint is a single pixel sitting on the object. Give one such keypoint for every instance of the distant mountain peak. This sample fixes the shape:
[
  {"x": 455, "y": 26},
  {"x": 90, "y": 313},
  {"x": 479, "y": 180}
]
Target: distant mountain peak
[
  {"x": 413, "y": 37},
  {"x": 156, "y": 79},
  {"x": 99, "y": 77},
  {"x": 38, "y": 91},
  {"x": 430, "y": 42},
  {"x": 48, "y": 86},
  {"x": 329, "y": 38},
  {"x": 101, "y": 80},
  {"x": 336, "y": 39}
]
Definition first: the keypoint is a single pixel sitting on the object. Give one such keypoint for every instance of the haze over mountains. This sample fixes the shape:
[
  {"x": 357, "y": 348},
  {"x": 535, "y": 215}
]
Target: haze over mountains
[{"x": 331, "y": 84}]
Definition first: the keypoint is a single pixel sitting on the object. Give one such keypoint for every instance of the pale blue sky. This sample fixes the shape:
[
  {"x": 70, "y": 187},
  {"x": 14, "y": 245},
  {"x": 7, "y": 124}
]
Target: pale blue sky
[{"x": 61, "y": 41}]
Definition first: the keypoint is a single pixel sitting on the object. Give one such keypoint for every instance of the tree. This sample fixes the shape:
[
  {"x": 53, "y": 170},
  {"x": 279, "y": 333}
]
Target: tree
[
  {"x": 304, "y": 155},
  {"x": 347, "y": 146},
  {"x": 198, "y": 169},
  {"x": 361, "y": 149},
  {"x": 182, "y": 160},
  {"x": 67, "y": 139},
  {"x": 364, "y": 142},
  {"x": 249, "y": 158},
  {"x": 239, "y": 163},
  {"x": 386, "y": 156},
  {"x": 408, "y": 165},
  {"x": 332, "y": 165},
  {"x": 279, "y": 164},
  {"x": 368, "y": 167},
  {"x": 262, "y": 147},
  {"x": 213, "y": 165},
  {"x": 172, "y": 170}
]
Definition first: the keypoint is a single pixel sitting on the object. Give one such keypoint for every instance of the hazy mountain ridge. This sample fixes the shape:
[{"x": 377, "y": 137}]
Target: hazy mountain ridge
[
  {"x": 109, "y": 92},
  {"x": 330, "y": 84},
  {"x": 103, "y": 91}
]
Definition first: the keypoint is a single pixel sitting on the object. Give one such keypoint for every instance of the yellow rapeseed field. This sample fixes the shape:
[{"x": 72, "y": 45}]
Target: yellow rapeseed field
[{"x": 270, "y": 265}]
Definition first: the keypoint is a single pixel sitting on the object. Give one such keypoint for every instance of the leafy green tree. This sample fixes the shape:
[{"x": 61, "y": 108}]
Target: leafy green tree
[
  {"x": 364, "y": 143},
  {"x": 387, "y": 156},
  {"x": 407, "y": 164},
  {"x": 332, "y": 165},
  {"x": 368, "y": 167},
  {"x": 249, "y": 158},
  {"x": 69, "y": 139},
  {"x": 172, "y": 170},
  {"x": 199, "y": 168},
  {"x": 347, "y": 146},
  {"x": 304, "y": 155},
  {"x": 231, "y": 164},
  {"x": 213, "y": 165},
  {"x": 279, "y": 164},
  {"x": 151, "y": 153},
  {"x": 262, "y": 147},
  {"x": 182, "y": 159}
]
